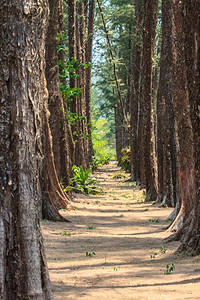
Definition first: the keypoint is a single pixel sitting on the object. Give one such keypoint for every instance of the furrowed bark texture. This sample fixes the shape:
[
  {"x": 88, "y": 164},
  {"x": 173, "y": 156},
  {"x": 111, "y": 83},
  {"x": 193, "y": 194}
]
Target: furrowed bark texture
[
  {"x": 191, "y": 25},
  {"x": 165, "y": 117},
  {"x": 55, "y": 101},
  {"x": 70, "y": 140},
  {"x": 148, "y": 138},
  {"x": 23, "y": 270},
  {"x": 52, "y": 168},
  {"x": 82, "y": 145},
  {"x": 78, "y": 106},
  {"x": 185, "y": 187}
]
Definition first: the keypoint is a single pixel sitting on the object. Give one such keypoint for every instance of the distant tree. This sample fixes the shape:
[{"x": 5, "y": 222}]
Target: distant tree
[{"x": 23, "y": 269}]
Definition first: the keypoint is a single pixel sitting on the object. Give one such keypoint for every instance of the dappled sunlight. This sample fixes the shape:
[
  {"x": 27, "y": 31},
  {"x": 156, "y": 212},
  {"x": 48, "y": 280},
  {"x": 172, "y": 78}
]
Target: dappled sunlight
[{"x": 122, "y": 232}]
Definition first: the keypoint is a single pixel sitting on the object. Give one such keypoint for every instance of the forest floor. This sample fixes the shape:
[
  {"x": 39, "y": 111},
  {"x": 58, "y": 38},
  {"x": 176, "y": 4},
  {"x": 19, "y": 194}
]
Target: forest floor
[{"x": 124, "y": 237}]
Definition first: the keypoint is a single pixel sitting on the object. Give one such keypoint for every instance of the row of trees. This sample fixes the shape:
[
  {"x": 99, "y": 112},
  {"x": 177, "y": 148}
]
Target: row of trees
[
  {"x": 156, "y": 108},
  {"x": 45, "y": 118},
  {"x": 174, "y": 179}
]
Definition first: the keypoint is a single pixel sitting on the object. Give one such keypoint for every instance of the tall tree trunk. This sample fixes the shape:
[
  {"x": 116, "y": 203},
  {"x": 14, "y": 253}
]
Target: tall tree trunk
[
  {"x": 23, "y": 270},
  {"x": 148, "y": 138},
  {"x": 165, "y": 117},
  {"x": 135, "y": 93},
  {"x": 184, "y": 136},
  {"x": 72, "y": 54},
  {"x": 191, "y": 25},
  {"x": 57, "y": 117},
  {"x": 70, "y": 140},
  {"x": 81, "y": 145},
  {"x": 89, "y": 75}
]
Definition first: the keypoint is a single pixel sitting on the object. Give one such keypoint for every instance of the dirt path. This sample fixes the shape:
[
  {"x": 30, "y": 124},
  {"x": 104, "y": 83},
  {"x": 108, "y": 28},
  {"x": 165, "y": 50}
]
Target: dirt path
[{"x": 116, "y": 229}]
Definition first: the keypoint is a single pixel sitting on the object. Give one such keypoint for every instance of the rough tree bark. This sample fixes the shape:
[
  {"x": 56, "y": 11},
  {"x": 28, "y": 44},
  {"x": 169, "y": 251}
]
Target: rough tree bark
[
  {"x": 62, "y": 57},
  {"x": 147, "y": 136},
  {"x": 57, "y": 117},
  {"x": 78, "y": 106},
  {"x": 23, "y": 270},
  {"x": 56, "y": 158},
  {"x": 135, "y": 93},
  {"x": 191, "y": 25},
  {"x": 165, "y": 117},
  {"x": 82, "y": 145},
  {"x": 185, "y": 187}
]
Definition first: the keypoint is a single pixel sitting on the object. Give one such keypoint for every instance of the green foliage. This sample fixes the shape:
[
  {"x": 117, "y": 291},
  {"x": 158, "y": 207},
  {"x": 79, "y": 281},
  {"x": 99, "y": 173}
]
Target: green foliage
[
  {"x": 92, "y": 227},
  {"x": 96, "y": 163},
  {"x": 163, "y": 249},
  {"x": 169, "y": 269},
  {"x": 126, "y": 159},
  {"x": 88, "y": 254},
  {"x": 65, "y": 233},
  {"x": 73, "y": 118},
  {"x": 168, "y": 220},
  {"x": 103, "y": 152},
  {"x": 154, "y": 255},
  {"x": 155, "y": 220},
  {"x": 82, "y": 181}
]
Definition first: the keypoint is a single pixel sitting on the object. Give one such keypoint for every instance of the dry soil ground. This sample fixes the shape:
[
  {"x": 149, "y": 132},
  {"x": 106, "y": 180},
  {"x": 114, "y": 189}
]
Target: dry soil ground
[{"x": 122, "y": 235}]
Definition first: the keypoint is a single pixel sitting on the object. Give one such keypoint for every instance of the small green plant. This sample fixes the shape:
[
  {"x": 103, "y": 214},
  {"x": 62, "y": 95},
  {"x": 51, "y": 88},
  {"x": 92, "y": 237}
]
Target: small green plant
[
  {"x": 169, "y": 269},
  {"x": 146, "y": 209},
  {"x": 163, "y": 249},
  {"x": 126, "y": 159},
  {"x": 92, "y": 227},
  {"x": 154, "y": 255},
  {"x": 65, "y": 233},
  {"x": 63, "y": 209},
  {"x": 168, "y": 220},
  {"x": 82, "y": 181},
  {"x": 88, "y": 254},
  {"x": 116, "y": 269},
  {"x": 96, "y": 163},
  {"x": 155, "y": 220}
]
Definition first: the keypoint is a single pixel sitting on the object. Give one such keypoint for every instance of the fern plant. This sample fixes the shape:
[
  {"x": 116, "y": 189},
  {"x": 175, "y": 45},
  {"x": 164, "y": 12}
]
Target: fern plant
[{"x": 82, "y": 181}]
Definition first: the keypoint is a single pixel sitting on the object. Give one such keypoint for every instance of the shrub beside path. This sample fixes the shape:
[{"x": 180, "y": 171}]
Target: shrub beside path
[{"x": 114, "y": 248}]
